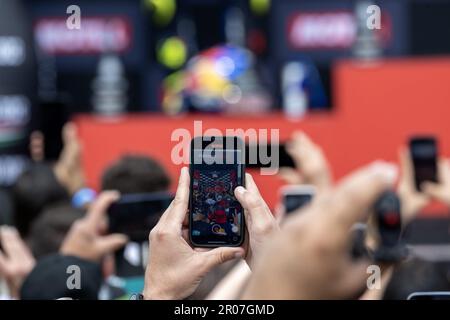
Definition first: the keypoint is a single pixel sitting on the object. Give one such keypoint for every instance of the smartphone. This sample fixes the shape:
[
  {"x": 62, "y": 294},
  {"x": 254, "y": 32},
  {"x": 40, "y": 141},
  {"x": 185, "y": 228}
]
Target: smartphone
[
  {"x": 295, "y": 197},
  {"x": 136, "y": 214},
  {"x": 217, "y": 167},
  {"x": 424, "y": 157},
  {"x": 431, "y": 295},
  {"x": 284, "y": 159}
]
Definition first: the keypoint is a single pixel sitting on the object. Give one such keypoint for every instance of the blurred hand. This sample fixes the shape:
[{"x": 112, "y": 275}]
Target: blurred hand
[
  {"x": 412, "y": 201},
  {"x": 310, "y": 162},
  {"x": 441, "y": 190},
  {"x": 86, "y": 237},
  {"x": 175, "y": 269},
  {"x": 310, "y": 258},
  {"x": 16, "y": 260},
  {"x": 68, "y": 169},
  {"x": 259, "y": 221}
]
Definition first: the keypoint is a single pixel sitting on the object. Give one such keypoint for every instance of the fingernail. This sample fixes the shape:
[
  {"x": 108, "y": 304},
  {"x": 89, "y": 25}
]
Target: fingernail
[
  {"x": 385, "y": 170},
  {"x": 239, "y": 255},
  {"x": 241, "y": 190}
]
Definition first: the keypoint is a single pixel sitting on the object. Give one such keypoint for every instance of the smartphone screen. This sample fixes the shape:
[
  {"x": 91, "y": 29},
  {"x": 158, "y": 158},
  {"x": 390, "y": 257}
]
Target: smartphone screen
[
  {"x": 424, "y": 154},
  {"x": 135, "y": 215},
  {"x": 216, "y": 168}
]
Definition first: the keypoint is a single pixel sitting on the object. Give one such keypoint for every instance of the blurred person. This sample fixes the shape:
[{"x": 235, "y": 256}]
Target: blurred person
[
  {"x": 85, "y": 245},
  {"x": 35, "y": 188},
  {"x": 135, "y": 174},
  {"x": 175, "y": 269},
  {"x": 42, "y": 183},
  {"x": 16, "y": 261},
  {"x": 319, "y": 265},
  {"x": 48, "y": 231}
]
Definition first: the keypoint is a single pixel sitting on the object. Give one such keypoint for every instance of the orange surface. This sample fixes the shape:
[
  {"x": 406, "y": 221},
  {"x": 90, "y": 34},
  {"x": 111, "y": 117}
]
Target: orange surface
[{"x": 377, "y": 107}]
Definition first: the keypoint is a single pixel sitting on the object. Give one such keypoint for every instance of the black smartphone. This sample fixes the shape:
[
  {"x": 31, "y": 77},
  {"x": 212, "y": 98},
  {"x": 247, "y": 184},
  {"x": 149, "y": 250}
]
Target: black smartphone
[
  {"x": 431, "y": 295},
  {"x": 217, "y": 167},
  {"x": 54, "y": 115},
  {"x": 251, "y": 161},
  {"x": 424, "y": 157},
  {"x": 295, "y": 197},
  {"x": 136, "y": 214}
]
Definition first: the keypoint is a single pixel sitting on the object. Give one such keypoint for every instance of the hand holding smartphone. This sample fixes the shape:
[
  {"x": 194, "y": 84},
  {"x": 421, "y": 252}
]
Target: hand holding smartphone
[
  {"x": 217, "y": 167},
  {"x": 423, "y": 150}
]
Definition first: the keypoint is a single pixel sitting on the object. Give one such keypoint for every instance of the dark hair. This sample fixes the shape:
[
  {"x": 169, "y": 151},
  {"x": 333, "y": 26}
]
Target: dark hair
[
  {"x": 49, "y": 229},
  {"x": 135, "y": 174},
  {"x": 416, "y": 275},
  {"x": 34, "y": 189}
]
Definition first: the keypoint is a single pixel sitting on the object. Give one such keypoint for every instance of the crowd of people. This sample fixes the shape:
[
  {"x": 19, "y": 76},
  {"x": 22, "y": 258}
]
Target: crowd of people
[{"x": 306, "y": 255}]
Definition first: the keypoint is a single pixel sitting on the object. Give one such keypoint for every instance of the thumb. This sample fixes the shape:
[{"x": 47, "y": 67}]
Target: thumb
[
  {"x": 221, "y": 255},
  {"x": 110, "y": 243}
]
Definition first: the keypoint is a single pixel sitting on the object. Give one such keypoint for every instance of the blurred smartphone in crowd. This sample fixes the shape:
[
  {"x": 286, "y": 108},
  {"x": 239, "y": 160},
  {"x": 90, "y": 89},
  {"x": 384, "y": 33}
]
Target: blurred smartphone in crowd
[
  {"x": 424, "y": 153},
  {"x": 284, "y": 159},
  {"x": 295, "y": 197},
  {"x": 434, "y": 295},
  {"x": 135, "y": 215}
]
